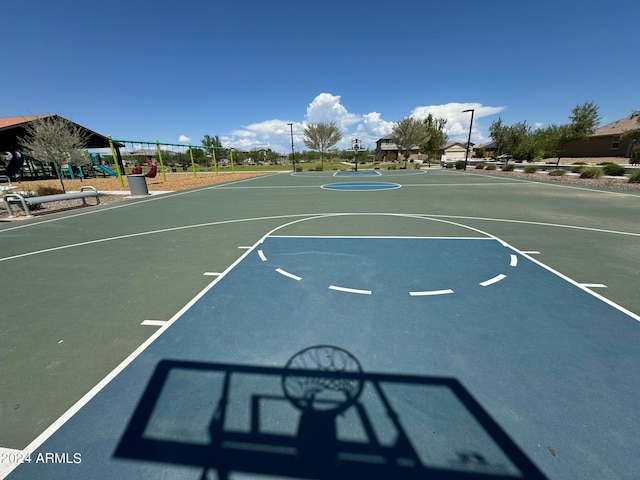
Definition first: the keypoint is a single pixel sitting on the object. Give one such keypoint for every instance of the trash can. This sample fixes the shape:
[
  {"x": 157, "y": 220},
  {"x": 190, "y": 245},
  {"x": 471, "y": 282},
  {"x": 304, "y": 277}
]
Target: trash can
[{"x": 137, "y": 185}]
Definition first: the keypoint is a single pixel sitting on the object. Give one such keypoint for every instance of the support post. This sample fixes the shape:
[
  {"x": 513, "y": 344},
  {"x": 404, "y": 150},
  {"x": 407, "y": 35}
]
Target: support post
[{"x": 164, "y": 172}]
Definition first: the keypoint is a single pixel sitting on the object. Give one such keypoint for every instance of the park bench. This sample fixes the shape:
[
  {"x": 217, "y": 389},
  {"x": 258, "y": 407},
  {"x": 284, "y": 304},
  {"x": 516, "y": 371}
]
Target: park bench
[
  {"x": 85, "y": 192},
  {"x": 5, "y": 183}
]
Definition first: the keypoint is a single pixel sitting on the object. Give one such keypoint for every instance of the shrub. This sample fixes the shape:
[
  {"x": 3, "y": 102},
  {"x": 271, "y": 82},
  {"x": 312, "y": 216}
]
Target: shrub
[
  {"x": 42, "y": 190},
  {"x": 635, "y": 155},
  {"x": 508, "y": 167},
  {"x": 579, "y": 163},
  {"x": 557, "y": 173},
  {"x": 530, "y": 168},
  {"x": 298, "y": 169},
  {"x": 577, "y": 169},
  {"x": 460, "y": 165},
  {"x": 479, "y": 166},
  {"x": 592, "y": 172},
  {"x": 613, "y": 169},
  {"x": 491, "y": 166},
  {"x": 391, "y": 167},
  {"x": 635, "y": 177},
  {"x": 449, "y": 165}
]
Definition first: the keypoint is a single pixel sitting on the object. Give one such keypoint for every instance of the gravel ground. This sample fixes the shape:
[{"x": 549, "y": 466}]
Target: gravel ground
[
  {"x": 175, "y": 182},
  {"x": 613, "y": 183}
]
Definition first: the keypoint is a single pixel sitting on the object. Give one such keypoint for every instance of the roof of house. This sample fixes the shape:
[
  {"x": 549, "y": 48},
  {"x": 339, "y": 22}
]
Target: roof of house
[
  {"x": 453, "y": 144},
  {"x": 618, "y": 127},
  {"x": 13, "y": 128},
  {"x": 490, "y": 144}
]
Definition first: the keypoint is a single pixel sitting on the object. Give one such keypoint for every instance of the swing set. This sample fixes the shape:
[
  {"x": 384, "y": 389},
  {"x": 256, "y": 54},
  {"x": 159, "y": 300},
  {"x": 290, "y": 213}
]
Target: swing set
[{"x": 175, "y": 155}]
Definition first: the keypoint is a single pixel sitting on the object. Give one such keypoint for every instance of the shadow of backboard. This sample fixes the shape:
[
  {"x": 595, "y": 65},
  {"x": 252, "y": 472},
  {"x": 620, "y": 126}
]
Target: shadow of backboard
[{"x": 300, "y": 423}]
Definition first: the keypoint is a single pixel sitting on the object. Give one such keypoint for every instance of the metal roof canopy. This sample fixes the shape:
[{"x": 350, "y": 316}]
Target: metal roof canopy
[{"x": 13, "y": 128}]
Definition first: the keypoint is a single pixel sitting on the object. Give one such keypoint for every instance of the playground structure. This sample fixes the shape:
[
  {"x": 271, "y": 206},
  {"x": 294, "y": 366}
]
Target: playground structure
[
  {"x": 124, "y": 153},
  {"x": 173, "y": 155}
]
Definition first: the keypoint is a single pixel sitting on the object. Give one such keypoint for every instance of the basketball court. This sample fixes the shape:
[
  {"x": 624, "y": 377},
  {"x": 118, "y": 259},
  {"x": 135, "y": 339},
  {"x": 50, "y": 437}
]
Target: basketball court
[{"x": 379, "y": 327}]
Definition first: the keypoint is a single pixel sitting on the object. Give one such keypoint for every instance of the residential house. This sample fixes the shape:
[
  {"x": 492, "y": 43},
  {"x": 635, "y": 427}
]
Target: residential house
[
  {"x": 388, "y": 151},
  {"x": 455, "y": 151},
  {"x": 606, "y": 141},
  {"x": 490, "y": 149}
]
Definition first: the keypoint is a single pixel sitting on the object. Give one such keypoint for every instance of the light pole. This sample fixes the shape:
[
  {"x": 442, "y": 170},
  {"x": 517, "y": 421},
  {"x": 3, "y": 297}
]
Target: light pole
[
  {"x": 466, "y": 154},
  {"x": 293, "y": 153}
]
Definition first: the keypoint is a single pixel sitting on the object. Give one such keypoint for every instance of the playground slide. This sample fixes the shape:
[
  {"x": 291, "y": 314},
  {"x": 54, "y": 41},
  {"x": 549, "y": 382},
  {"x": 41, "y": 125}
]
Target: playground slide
[{"x": 106, "y": 170}]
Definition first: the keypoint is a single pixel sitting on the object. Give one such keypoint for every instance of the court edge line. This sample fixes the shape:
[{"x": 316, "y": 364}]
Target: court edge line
[
  {"x": 128, "y": 204},
  {"x": 553, "y": 184},
  {"x": 87, "y": 397}
]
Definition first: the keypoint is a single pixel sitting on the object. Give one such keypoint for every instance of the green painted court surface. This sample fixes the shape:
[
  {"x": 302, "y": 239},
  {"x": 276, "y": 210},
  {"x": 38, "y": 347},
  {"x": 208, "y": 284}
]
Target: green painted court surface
[{"x": 521, "y": 295}]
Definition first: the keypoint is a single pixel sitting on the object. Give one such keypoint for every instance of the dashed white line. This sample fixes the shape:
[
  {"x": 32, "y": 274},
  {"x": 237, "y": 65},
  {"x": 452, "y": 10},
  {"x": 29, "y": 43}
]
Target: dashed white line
[
  {"x": 287, "y": 274},
  {"x": 493, "y": 280},
  {"x": 262, "y": 256},
  {"x": 531, "y": 252},
  {"x": 431, "y": 292},
  {"x": 212, "y": 274},
  {"x": 514, "y": 261},
  {"x": 593, "y": 285},
  {"x": 350, "y": 290}
]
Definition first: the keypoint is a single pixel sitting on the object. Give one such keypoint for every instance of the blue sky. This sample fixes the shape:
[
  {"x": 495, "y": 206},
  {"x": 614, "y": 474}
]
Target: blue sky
[{"x": 175, "y": 71}]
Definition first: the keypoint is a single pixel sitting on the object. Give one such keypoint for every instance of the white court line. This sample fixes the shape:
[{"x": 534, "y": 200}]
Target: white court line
[
  {"x": 514, "y": 261},
  {"x": 431, "y": 292},
  {"x": 262, "y": 256},
  {"x": 76, "y": 407},
  {"x": 531, "y": 252},
  {"x": 154, "y": 323},
  {"x": 212, "y": 274},
  {"x": 493, "y": 280},
  {"x": 593, "y": 285},
  {"x": 287, "y": 274},
  {"x": 244, "y": 247},
  {"x": 350, "y": 290},
  {"x": 153, "y": 198}
]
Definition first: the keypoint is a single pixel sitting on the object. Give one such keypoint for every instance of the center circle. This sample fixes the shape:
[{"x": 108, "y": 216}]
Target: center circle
[{"x": 360, "y": 186}]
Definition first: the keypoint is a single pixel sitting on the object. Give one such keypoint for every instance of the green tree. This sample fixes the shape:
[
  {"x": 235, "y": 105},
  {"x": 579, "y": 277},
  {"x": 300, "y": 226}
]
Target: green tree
[
  {"x": 408, "y": 132},
  {"x": 584, "y": 121},
  {"x": 209, "y": 141},
  {"x": 321, "y": 137},
  {"x": 435, "y": 136},
  {"x": 512, "y": 140},
  {"x": 55, "y": 140}
]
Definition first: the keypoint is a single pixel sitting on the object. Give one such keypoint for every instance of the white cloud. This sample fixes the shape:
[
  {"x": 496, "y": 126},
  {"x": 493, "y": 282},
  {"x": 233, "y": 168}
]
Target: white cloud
[
  {"x": 327, "y": 108},
  {"x": 184, "y": 139},
  {"x": 458, "y": 121},
  {"x": 368, "y": 127}
]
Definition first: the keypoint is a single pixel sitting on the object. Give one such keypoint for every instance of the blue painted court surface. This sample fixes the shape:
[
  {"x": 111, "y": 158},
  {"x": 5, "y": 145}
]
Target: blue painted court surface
[{"x": 369, "y": 357}]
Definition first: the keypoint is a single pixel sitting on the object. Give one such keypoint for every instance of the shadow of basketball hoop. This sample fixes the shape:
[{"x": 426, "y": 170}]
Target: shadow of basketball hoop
[
  {"x": 319, "y": 416},
  {"x": 321, "y": 399}
]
